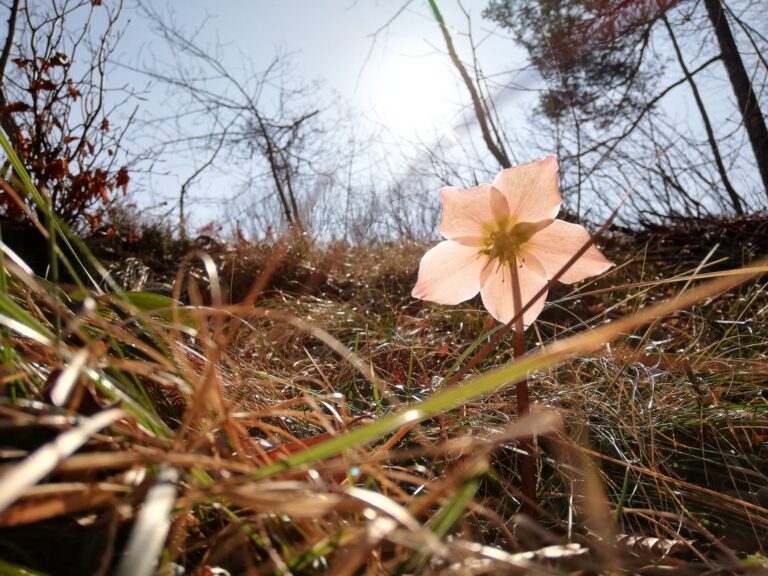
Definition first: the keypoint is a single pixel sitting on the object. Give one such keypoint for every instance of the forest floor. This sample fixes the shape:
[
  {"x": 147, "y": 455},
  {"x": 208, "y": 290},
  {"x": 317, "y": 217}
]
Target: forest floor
[{"x": 297, "y": 416}]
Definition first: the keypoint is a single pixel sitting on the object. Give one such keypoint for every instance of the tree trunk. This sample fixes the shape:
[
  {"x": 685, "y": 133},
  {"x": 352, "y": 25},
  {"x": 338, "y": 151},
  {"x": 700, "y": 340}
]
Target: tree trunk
[{"x": 754, "y": 122}]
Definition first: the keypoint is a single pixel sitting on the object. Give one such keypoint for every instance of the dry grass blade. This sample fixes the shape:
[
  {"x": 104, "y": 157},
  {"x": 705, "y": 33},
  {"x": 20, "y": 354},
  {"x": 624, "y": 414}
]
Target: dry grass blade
[
  {"x": 66, "y": 381},
  {"x": 49, "y": 501},
  {"x": 14, "y": 258},
  {"x": 21, "y": 476},
  {"x": 295, "y": 499},
  {"x": 24, "y": 330},
  {"x": 334, "y": 344},
  {"x": 588, "y": 341},
  {"x": 655, "y": 547},
  {"x": 489, "y": 560},
  {"x": 151, "y": 528},
  {"x": 388, "y": 506}
]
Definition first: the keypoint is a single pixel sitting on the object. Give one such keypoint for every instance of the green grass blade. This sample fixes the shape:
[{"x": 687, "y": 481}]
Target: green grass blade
[{"x": 445, "y": 519}]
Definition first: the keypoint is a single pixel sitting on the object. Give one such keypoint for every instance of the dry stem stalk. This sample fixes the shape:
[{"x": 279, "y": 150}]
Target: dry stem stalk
[{"x": 527, "y": 443}]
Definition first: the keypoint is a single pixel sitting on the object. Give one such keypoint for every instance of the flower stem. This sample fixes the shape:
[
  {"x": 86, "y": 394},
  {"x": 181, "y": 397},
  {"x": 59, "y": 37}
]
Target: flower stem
[{"x": 526, "y": 466}]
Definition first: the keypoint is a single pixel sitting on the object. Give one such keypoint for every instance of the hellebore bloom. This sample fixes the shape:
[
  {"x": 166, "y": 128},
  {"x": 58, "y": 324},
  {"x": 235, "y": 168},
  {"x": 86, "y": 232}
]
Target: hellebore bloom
[{"x": 497, "y": 232}]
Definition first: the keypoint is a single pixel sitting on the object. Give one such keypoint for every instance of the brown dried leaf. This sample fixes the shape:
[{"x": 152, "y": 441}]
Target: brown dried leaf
[
  {"x": 12, "y": 107},
  {"x": 37, "y": 85},
  {"x": 122, "y": 178}
]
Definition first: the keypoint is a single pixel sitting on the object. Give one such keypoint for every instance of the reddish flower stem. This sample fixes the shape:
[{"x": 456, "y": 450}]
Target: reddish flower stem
[{"x": 526, "y": 465}]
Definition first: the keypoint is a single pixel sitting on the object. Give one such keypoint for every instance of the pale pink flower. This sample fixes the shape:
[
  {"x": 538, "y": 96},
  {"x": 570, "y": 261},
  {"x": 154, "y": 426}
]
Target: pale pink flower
[{"x": 495, "y": 231}]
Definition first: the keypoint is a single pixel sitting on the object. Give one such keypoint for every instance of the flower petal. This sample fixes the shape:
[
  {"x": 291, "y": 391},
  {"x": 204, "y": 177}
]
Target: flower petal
[
  {"x": 557, "y": 243},
  {"x": 467, "y": 212},
  {"x": 533, "y": 264},
  {"x": 499, "y": 204},
  {"x": 449, "y": 273},
  {"x": 531, "y": 190},
  {"x": 496, "y": 290}
]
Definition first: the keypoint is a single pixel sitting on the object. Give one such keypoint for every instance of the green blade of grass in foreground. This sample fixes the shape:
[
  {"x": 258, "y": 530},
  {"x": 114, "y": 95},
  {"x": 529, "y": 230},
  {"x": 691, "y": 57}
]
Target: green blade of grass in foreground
[
  {"x": 62, "y": 230},
  {"x": 506, "y": 375},
  {"x": 16, "y": 318},
  {"x": 10, "y": 569},
  {"x": 450, "y": 513},
  {"x": 6, "y": 353}
]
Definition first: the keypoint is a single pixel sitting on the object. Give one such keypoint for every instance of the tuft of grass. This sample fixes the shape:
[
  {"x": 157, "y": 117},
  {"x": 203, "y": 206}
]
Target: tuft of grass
[{"x": 293, "y": 416}]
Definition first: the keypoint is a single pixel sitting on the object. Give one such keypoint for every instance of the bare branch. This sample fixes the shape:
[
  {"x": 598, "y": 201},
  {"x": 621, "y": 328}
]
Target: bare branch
[{"x": 495, "y": 147}]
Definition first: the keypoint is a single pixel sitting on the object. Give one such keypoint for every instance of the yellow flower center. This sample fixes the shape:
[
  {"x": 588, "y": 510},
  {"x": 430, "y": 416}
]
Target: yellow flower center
[
  {"x": 502, "y": 245},
  {"x": 506, "y": 240}
]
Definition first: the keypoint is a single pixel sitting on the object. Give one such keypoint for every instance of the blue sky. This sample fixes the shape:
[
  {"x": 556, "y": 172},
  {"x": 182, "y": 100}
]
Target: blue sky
[
  {"x": 399, "y": 82},
  {"x": 378, "y": 72},
  {"x": 383, "y": 58},
  {"x": 333, "y": 40}
]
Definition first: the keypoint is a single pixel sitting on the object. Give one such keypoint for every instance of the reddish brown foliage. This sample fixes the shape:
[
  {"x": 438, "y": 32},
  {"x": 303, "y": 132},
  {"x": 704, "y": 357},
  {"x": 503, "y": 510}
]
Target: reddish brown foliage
[{"x": 71, "y": 160}]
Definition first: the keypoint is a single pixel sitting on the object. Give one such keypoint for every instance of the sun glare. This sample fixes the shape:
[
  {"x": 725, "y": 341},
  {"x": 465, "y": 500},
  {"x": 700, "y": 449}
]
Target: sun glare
[{"x": 415, "y": 97}]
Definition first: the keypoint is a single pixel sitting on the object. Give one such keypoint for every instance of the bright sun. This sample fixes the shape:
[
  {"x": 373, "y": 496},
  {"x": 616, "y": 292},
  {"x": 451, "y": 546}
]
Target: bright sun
[{"x": 415, "y": 97}]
